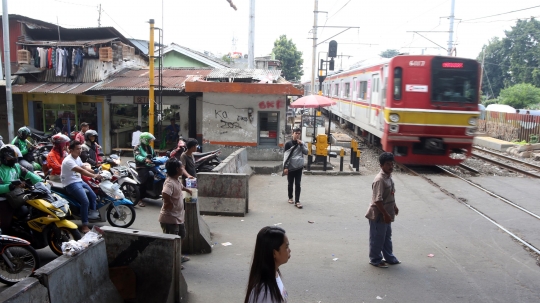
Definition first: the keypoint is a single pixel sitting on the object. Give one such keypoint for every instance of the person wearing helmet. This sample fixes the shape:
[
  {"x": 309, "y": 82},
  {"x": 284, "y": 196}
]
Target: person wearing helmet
[
  {"x": 143, "y": 154},
  {"x": 57, "y": 155},
  {"x": 10, "y": 174},
  {"x": 20, "y": 141},
  {"x": 90, "y": 149}
]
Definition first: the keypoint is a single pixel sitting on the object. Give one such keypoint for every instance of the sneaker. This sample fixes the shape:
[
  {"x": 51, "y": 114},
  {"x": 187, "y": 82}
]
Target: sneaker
[{"x": 93, "y": 214}]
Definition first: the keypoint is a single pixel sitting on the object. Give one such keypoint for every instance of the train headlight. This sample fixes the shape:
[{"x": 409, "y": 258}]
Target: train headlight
[
  {"x": 393, "y": 128},
  {"x": 472, "y": 121},
  {"x": 470, "y": 131},
  {"x": 394, "y": 118}
]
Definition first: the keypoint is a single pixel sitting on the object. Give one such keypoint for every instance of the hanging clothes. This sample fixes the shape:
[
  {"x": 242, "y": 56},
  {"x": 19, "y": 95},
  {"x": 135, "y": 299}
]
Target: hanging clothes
[
  {"x": 64, "y": 62},
  {"x": 79, "y": 57},
  {"x": 36, "y": 56},
  {"x": 49, "y": 58},
  {"x": 60, "y": 60},
  {"x": 43, "y": 58},
  {"x": 54, "y": 59},
  {"x": 73, "y": 66},
  {"x": 69, "y": 64}
]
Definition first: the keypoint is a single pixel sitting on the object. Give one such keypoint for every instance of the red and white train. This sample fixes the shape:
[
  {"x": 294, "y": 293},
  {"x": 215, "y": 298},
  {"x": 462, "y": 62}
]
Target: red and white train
[{"x": 422, "y": 108}]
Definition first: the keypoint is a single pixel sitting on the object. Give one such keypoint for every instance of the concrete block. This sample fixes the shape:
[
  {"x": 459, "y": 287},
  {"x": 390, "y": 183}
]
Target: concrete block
[
  {"x": 155, "y": 258},
  {"x": 266, "y": 167},
  {"x": 492, "y": 143},
  {"x": 81, "y": 278},
  {"x": 526, "y": 147},
  {"x": 525, "y": 154},
  {"x": 223, "y": 194},
  {"x": 236, "y": 162},
  {"x": 253, "y": 153},
  {"x": 198, "y": 239},
  {"x": 28, "y": 290}
]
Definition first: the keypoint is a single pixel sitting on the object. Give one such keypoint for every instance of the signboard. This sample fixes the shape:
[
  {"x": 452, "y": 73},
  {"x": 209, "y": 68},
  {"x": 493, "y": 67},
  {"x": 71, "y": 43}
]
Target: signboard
[
  {"x": 140, "y": 100},
  {"x": 416, "y": 88}
]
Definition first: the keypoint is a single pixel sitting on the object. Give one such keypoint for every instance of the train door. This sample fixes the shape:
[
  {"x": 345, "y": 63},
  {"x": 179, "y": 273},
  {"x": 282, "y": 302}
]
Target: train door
[{"x": 374, "y": 100}]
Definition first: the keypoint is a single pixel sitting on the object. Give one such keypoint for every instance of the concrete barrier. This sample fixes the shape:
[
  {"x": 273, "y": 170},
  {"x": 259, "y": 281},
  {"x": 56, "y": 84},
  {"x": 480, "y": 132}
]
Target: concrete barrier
[
  {"x": 82, "y": 278},
  {"x": 253, "y": 153},
  {"x": 223, "y": 194},
  {"x": 28, "y": 290},
  {"x": 154, "y": 258},
  {"x": 236, "y": 162},
  {"x": 198, "y": 239}
]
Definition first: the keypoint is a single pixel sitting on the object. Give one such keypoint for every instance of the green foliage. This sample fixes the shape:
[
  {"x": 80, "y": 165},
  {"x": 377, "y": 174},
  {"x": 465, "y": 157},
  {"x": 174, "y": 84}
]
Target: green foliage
[
  {"x": 533, "y": 139},
  {"x": 520, "y": 95},
  {"x": 389, "y": 53},
  {"x": 291, "y": 58},
  {"x": 513, "y": 59},
  {"x": 516, "y": 141},
  {"x": 227, "y": 59}
]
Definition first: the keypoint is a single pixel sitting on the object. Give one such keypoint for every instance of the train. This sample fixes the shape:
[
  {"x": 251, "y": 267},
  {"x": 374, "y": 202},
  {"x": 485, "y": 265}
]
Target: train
[{"x": 422, "y": 108}]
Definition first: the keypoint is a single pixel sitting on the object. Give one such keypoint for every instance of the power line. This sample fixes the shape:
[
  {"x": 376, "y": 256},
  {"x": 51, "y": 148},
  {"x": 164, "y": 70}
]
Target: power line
[
  {"x": 525, "y": 18},
  {"x": 519, "y": 10},
  {"x": 130, "y": 36}
]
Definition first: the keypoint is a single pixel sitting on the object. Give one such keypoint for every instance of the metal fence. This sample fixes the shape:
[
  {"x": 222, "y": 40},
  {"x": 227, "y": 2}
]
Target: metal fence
[{"x": 510, "y": 126}]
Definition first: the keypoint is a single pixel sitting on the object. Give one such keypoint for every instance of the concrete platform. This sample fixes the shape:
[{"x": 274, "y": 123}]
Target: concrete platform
[
  {"x": 266, "y": 167},
  {"x": 492, "y": 143}
]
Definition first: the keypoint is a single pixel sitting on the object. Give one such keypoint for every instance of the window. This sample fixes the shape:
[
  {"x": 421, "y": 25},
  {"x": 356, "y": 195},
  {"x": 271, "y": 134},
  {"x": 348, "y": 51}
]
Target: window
[
  {"x": 363, "y": 89},
  {"x": 454, "y": 80},
  {"x": 347, "y": 90},
  {"x": 398, "y": 76},
  {"x": 336, "y": 89}
]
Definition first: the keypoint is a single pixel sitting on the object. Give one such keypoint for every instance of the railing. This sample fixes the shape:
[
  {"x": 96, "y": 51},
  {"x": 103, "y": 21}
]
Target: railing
[{"x": 509, "y": 126}]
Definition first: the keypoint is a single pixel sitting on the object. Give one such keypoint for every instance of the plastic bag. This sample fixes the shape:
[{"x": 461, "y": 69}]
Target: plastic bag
[{"x": 72, "y": 248}]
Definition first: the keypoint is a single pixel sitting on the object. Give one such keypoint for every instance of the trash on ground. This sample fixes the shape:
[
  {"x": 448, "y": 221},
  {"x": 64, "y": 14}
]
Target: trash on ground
[
  {"x": 431, "y": 255},
  {"x": 335, "y": 259},
  {"x": 277, "y": 224},
  {"x": 310, "y": 222},
  {"x": 274, "y": 174},
  {"x": 73, "y": 247},
  {"x": 226, "y": 243},
  {"x": 379, "y": 298}
]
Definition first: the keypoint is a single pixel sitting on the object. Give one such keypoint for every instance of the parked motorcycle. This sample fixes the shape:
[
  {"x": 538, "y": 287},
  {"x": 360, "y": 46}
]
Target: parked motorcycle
[
  {"x": 206, "y": 162},
  {"x": 154, "y": 192},
  {"x": 110, "y": 203},
  {"x": 41, "y": 219},
  {"x": 18, "y": 260},
  {"x": 121, "y": 175}
]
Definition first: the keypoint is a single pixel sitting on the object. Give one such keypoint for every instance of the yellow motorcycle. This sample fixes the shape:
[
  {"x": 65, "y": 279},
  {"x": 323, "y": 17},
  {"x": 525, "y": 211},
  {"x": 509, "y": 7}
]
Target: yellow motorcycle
[{"x": 40, "y": 218}]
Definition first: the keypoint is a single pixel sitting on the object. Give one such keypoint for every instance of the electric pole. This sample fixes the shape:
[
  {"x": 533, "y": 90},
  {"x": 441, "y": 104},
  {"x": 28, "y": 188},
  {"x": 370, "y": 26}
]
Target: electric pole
[
  {"x": 313, "y": 59},
  {"x": 451, "y": 34},
  {"x": 251, "y": 38},
  {"x": 99, "y": 16},
  {"x": 7, "y": 62},
  {"x": 151, "y": 81}
]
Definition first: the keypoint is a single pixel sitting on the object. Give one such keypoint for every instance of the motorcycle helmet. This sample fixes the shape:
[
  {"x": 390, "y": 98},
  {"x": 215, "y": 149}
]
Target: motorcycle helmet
[
  {"x": 89, "y": 133},
  {"x": 8, "y": 155},
  {"x": 23, "y": 133},
  {"x": 60, "y": 140},
  {"x": 146, "y": 137}
]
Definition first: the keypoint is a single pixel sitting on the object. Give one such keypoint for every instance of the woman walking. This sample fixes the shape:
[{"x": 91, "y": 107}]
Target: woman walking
[{"x": 271, "y": 251}]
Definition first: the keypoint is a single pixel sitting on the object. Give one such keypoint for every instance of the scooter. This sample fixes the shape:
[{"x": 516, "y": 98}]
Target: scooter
[
  {"x": 121, "y": 175},
  {"x": 206, "y": 162},
  {"x": 18, "y": 260},
  {"x": 157, "y": 179},
  {"x": 41, "y": 220},
  {"x": 110, "y": 203}
]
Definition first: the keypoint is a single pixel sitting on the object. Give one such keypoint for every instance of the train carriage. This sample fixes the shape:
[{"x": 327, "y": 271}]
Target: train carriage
[{"x": 422, "y": 108}]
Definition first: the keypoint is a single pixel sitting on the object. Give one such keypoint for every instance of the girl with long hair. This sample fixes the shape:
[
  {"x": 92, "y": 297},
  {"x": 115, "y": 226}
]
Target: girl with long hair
[{"x": 271, "y": 251}]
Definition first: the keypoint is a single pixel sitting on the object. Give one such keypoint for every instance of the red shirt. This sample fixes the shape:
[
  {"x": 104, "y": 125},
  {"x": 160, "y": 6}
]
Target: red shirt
[
  {"x": 80, "y": 137},
  {"x": 54, "y": 161}
]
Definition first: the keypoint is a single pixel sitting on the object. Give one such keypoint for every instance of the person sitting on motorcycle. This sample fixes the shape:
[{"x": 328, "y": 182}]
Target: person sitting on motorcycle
[
  {"x": 10, "y": 174},
  {"x": 143, "y": 154},
  {"x": 20, "y": 141},
  {"x": 90, "y": 149},
  {"x": 80, "y": 135},
  {"x": 57, "y": 155},
  {"x": 71, "y": 171}
]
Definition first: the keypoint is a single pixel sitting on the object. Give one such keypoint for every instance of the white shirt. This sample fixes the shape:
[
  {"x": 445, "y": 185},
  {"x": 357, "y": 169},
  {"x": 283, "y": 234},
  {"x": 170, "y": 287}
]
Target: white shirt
[
  {"x": 282, "y": 289},
  {"x": 67, "y": 175},
  {"x": 135, "y": 139}
]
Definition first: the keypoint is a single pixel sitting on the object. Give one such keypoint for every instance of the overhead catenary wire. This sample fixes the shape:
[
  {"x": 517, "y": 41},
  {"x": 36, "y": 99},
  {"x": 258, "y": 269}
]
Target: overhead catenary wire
[{"x": 514, "y": 11}]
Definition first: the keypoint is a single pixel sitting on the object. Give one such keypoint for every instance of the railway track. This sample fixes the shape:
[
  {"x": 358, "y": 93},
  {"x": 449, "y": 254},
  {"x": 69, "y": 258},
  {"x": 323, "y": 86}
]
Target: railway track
[
  {"x": 532, "y": 248},
  {"x": 526, "y": 168}
]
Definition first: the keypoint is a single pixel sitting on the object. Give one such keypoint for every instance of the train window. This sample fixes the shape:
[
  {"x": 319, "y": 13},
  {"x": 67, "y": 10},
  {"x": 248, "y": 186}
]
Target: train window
[
  {"x": 347, "y": 90},
  {"x": 336, "y": 89},
  {"x": 454, "y": 80},
  {"x": 398, "y": 80}
]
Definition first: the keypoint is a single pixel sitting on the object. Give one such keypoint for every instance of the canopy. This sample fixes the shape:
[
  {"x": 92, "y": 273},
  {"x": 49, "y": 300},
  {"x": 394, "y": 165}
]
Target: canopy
[{"x": 312, "y": 101}]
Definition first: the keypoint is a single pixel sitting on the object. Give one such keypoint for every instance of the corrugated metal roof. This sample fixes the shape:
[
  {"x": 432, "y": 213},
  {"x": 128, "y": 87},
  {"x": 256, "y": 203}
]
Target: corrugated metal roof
[
  {"x": 76, "y": 43},
  {"x": 52, "y": 88},
  {"x": 235, "y": 73},
  {"x": 173, "y": 79},
  {"x": 90, "y": 72}
]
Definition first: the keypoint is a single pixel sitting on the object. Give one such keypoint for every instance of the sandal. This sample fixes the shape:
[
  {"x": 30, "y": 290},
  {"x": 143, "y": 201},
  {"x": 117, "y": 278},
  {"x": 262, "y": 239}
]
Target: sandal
[
  {"x": 141, "y": 204},
  {"x": 291, "y": 201},
  {"x": 298, "y": 205}
]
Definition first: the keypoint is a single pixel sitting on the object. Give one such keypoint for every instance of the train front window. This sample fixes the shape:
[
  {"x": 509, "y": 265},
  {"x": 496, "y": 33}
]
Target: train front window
[{"x": 454, "y": 80}]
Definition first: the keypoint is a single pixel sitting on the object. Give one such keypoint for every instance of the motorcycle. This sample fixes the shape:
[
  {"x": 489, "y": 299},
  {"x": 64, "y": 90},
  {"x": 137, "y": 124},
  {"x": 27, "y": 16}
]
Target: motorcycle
[
  {"x": 41, "y": 220},
  {"x": 206, "y": 162},
  {"x": 121, "y": 175},
  {"x": 18, "y": 260},
  {"x": 110, "y": 203},
  {"x": 154, "y": 192}
]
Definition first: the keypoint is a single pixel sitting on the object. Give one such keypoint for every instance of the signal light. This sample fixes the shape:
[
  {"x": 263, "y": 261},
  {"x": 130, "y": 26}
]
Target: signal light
[
  {"x": 331, "y": 64},
  {"x": 332, "y": 49}
]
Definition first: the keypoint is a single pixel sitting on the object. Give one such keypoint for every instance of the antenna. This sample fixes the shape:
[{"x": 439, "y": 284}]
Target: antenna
[{"x": 99, "y": 16}]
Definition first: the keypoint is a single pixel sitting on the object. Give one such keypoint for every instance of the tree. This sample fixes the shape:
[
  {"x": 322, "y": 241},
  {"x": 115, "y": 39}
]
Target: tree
[
  {"x": 495, "y": 67},
  {"x": 291, "y": 58},
  {"x": 523, "y": 95},
  {"x": 389, "y": 53},
  {"x": 227, "y": 59}
]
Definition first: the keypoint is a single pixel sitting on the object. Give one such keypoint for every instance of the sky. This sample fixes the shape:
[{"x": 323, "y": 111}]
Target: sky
[{"x": 212, "y": 25}]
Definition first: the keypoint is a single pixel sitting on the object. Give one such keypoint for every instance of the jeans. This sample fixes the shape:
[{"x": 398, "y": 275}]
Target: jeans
[
  {"x": 294, "y": 177},
  {"x": 26, "y": 165},
  {"x": 85, "y": 198},
  {"x": 380, "y": 240},
  {"x": 174, "y": 229},
  {"x": 146, "y": 180}
]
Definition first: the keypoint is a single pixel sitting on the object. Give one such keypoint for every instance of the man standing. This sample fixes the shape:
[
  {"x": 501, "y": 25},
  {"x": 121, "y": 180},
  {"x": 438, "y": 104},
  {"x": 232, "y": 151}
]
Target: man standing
[
  {"x": 381, "y": 214},
  {"x": 293, "y": 164},
  {"x": 172, "y": 132},
  {"x": 80, "y": 135},
  {"x": 72, "y": 169},
  {"x": 135, "y": 137}
]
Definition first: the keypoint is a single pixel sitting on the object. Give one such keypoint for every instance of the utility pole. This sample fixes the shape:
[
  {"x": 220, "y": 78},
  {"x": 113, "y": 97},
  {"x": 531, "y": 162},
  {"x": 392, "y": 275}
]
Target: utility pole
[
  {"x": 99, "y": 16},
  {"x": 451, "y": 34},
  {"x": 314, "y": 55},
  {"x": 7, "y": 62},
  {"x": 151, "y": 81},
  {"x": 251, "y": 38}
]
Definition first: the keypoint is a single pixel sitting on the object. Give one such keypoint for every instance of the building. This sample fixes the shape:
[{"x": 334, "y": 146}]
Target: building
[{"x": 175, "y": 55}]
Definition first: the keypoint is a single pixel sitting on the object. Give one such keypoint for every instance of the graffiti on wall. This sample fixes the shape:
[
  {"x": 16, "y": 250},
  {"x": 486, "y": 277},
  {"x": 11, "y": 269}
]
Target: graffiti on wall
[{"x": 271, "y": 104}]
